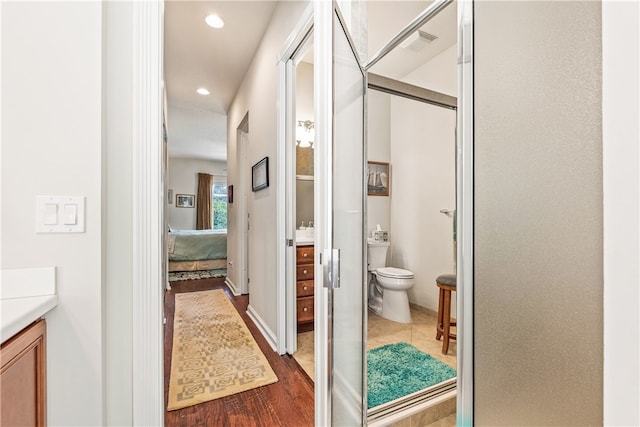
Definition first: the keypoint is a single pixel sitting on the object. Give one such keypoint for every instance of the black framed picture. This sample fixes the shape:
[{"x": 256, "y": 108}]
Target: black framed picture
[
  {"x": 260, "y": 175},
  {"x": 378, "y": 178},
  {"x": 185, "y": 200}
]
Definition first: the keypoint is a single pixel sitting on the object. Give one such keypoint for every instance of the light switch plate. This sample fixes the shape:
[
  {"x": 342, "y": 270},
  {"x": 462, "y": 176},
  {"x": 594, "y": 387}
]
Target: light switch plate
[{"x": 47, "y": 222}]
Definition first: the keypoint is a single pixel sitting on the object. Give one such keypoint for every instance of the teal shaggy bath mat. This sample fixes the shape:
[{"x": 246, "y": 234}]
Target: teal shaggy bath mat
[{"x": 396, "y": 370}]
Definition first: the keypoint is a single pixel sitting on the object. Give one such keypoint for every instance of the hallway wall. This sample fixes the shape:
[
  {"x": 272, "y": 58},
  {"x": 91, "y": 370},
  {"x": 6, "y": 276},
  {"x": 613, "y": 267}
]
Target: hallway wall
[
  {"x": 52, "y": 70},
  {"x": 258, "y": 96}
]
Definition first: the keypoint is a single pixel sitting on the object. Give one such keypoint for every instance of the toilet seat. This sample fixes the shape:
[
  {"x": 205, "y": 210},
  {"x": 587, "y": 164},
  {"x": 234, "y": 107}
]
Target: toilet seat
[{"x": 394, "y": 273}]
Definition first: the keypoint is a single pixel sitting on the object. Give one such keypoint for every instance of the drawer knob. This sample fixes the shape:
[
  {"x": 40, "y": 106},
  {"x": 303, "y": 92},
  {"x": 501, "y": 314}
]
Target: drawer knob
[
  {"x": 305, "y": 254},
  {"x": 305, "y": 309},
  {"x": 304, "y": 288},
  {"x": 304, "y": 271}
]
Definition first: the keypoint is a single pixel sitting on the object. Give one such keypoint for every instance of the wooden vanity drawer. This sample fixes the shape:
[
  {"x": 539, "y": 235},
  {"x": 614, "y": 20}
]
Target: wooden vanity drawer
[
  {"x": 304, "y": 272},
  {"x": 304, "y": 288},
  {"x": 305, "y": 309},
  {"x": 304, "y": 255}
]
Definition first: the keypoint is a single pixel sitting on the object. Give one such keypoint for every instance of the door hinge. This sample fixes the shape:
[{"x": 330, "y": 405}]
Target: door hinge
[
  {"x": 289, "y": 242},
  {"x": 331, "y": 269}
]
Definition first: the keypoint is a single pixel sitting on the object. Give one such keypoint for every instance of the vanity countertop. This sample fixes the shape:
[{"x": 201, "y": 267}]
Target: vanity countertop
[
  {"x": 18, "y": 313},
  {"x": 25, "y": 296},
  {"x": 305, "y": 237}
]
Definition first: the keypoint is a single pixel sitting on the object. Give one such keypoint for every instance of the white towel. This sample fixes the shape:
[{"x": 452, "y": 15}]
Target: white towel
[{"x": 384, "y": 181}]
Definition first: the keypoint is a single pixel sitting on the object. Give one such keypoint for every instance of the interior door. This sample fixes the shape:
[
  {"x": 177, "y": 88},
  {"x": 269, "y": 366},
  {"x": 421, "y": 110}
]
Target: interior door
[{"x": 343, "y": 201}]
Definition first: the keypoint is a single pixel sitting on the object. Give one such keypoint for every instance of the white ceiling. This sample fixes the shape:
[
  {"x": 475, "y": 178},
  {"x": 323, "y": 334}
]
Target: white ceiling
[
  {"x": 197, "y": 55},
  {"x": 387, "y": 18}
]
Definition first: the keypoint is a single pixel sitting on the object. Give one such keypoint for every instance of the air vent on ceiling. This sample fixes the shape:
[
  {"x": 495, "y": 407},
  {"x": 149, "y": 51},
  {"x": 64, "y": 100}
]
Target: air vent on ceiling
[{"x": 418, "y": 40}]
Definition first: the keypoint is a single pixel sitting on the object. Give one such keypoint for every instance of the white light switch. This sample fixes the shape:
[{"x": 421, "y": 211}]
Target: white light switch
[
  {"x": 70, "y": 214},
  {"x": 50, "y": 214},
  {"x": 60, "y": 214}
]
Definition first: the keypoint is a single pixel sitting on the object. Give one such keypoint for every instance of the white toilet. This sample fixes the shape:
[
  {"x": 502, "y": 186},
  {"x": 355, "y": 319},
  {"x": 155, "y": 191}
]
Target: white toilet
[{"x": 387, "y": 285}]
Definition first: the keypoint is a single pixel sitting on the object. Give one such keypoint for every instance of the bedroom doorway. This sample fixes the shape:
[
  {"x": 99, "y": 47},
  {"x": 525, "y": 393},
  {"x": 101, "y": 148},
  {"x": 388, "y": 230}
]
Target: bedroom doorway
[{"x": 242, "y": 248}]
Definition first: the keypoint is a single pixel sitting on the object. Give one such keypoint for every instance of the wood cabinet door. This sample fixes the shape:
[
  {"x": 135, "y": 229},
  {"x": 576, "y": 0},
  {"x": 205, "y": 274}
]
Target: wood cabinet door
[{"x": 23, "y": 378}]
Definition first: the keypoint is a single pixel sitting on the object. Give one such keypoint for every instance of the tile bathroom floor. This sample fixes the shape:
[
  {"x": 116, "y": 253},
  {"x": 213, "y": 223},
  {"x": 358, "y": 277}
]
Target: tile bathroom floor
[{"x": 421, "y": 334}]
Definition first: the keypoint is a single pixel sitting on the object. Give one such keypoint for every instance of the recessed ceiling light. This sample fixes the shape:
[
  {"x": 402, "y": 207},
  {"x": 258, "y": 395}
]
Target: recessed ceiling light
[
  {"x": 203, "y": 91},
  {"x": 214, "y": 21}
]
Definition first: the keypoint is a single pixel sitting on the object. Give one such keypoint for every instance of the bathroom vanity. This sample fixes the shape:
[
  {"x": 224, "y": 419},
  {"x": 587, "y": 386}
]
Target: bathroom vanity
[
  {"x": 25, "y": 296},
  {"x": 304, "y": 287}
]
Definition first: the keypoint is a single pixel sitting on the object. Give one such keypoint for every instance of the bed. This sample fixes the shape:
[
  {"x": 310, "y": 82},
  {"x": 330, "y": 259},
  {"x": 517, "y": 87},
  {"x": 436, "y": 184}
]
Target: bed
[{"x": 197, "y": 250}]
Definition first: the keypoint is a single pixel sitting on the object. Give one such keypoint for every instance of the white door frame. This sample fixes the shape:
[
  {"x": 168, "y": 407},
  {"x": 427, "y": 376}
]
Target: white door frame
[
  {"x": 147, "y": 214},
  {"x": 464, "y": 192},
  {"x": 285, "y": 154},
  {"x": 242, "y": 245}
]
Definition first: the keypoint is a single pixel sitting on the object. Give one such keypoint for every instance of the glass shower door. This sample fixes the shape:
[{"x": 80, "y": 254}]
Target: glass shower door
[{"x": 346, "y": 304}]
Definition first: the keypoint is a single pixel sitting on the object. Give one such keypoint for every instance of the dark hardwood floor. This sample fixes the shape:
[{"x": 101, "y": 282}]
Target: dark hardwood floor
[{"x": 289, "y": 402}]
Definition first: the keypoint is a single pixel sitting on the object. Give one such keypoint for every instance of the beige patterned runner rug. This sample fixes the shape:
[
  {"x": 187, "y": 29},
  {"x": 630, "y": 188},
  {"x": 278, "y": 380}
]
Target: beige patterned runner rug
[{"x": 214, "y": 354}]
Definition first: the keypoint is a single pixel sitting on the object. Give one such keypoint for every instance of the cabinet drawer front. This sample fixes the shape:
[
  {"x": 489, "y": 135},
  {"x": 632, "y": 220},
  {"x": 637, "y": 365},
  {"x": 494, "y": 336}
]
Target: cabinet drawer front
[
  {"x": 304, "y": 272},
  {"x": 304, "y": 254},
  {"x": 305, "y": 309},
  {"x": 304, "y": 288}
]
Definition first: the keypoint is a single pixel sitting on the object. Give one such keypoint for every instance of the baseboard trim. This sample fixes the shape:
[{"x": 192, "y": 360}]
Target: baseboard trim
[
  {"x": 262, "y": 326},
  {"x": 232, "y": 286}
]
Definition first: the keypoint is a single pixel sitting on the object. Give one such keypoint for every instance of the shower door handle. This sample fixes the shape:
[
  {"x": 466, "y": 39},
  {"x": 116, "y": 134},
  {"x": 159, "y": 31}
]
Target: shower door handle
[{"x": 331, "y": 268}]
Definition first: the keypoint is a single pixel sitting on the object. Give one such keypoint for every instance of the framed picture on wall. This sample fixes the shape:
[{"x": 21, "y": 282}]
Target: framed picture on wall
[
  {"x": 260, "y": 175},
  {"x": 185, "y": 200},
  {"x": 378, "y": 179}
]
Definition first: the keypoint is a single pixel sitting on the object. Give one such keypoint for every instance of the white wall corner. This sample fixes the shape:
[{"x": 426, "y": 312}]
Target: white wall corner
[{"x": 621, "y": 181}]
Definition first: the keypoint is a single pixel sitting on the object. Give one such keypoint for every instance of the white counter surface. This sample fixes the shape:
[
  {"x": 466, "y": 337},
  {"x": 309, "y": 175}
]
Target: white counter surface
[
  {"x": 25, "y": 296},
  {"x": 18, "y": 313},
  {"x": 304, "y": 242}
]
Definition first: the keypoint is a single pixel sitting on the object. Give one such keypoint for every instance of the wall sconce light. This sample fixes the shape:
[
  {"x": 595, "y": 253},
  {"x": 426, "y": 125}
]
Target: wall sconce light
[{"x": 305, "y": 134}]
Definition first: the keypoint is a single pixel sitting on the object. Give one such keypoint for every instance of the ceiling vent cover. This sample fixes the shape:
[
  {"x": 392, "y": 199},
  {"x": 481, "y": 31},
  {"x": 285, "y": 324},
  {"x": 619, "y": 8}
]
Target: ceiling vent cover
[{"x": 418, "y": 40}]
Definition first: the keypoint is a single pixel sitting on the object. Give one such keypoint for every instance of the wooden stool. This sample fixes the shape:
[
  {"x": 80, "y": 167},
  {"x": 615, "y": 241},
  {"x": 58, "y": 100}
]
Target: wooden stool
[{"x": 447, "y": 284}]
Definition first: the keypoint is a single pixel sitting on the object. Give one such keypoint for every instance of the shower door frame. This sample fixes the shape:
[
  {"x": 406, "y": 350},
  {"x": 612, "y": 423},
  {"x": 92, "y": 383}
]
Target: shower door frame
[{"x": 425, "y": 398}]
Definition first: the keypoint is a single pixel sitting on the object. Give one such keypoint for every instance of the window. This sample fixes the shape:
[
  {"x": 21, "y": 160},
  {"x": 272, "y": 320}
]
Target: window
[{"x": 219, "y": 201}]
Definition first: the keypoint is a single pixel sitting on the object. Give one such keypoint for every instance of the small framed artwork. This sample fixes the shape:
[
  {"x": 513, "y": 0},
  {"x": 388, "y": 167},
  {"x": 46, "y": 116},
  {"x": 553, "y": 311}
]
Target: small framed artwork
[
  {"x": 260, "y": 175},
  {"x": 378, "y": 179},
  {"x": 230, "y": 194},
  {"x": 185, "y": 200}
]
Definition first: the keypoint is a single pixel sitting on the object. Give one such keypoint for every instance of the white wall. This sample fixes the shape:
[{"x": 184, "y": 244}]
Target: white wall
[
  {"x": 423, "y": 183},
  {"x": 52, "y": 145},
  {"x": 621, "y": 158},
  {"x": 258, "y": 96},
  {"x": 183, "y": 179},
  {"x": 435, "y": 255},
  {"x": 439, "y": 74},
  {"x": 378, "y": 150},
  {"x": 304, "y": 91}
]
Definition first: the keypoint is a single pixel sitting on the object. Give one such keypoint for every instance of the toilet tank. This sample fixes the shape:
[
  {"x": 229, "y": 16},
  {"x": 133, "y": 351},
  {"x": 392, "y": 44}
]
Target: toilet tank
[{"x": 376, "y": 254}]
